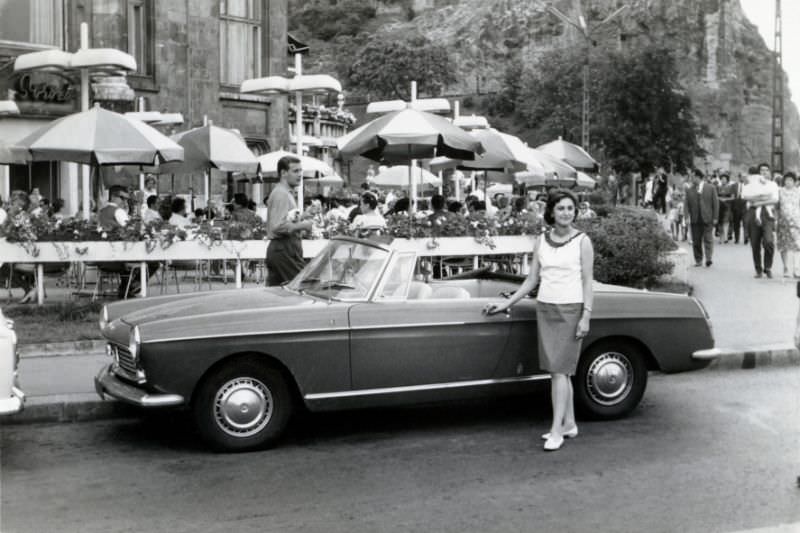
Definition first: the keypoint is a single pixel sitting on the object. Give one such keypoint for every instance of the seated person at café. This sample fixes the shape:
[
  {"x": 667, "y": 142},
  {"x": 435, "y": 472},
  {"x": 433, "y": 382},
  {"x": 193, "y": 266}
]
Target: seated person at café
[
  {"x": 150, "y": 213},
  {"x": 112, "y": 216},
  {"x": 179, "y": 216}
]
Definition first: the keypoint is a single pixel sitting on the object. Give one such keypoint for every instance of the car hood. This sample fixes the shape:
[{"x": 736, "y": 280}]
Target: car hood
[{"x": 218, "y": 303}]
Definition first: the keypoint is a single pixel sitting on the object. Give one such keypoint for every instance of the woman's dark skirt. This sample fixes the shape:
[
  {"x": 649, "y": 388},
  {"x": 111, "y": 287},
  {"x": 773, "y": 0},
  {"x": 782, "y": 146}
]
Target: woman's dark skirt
[{"x": 558, "y": 348}]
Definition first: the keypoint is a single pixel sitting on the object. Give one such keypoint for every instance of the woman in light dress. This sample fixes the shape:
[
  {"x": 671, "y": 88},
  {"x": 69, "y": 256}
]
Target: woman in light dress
[
  {"x": 562, "y": 265},
  {"x": 789, "y": 225}
]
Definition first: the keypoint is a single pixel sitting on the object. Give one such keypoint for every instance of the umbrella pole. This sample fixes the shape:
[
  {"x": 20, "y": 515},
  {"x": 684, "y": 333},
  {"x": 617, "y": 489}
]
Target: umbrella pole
[{"x": 207, "y": 187}]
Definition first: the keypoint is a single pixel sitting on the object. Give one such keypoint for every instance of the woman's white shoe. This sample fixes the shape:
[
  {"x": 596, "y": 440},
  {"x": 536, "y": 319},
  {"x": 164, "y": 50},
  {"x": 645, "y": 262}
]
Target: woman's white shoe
[
  {"x": 570, "y": 434},
  {"x": 553, "y": 443}
]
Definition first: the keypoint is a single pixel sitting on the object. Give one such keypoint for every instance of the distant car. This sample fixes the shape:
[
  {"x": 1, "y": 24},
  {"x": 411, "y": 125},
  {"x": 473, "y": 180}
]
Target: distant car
[
  {"x": 356, "y": 329},
  {"x": 12, "y": 399}
]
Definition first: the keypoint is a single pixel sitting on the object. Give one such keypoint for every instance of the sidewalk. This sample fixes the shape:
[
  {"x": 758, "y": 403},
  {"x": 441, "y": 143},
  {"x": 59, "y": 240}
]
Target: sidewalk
[{"x": 753, "y": 322}]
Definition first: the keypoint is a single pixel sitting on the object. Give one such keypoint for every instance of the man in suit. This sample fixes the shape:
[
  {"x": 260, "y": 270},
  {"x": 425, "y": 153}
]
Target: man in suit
[
  {"x": 701, "y": 205},
  {"x": 738, "y": 210}
]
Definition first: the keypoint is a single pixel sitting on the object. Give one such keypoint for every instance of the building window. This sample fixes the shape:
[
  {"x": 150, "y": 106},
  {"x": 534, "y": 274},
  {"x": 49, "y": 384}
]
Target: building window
[
  {"x": 140, "y": 35},
  {"x": 32, "y": 21},
  {"x": 240, "y": 42}
]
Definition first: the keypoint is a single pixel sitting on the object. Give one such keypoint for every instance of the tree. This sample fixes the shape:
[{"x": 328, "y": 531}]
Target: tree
[
  {"x": 640, "y": 116},
  {"x": 325, "y": 21},
  {"x": 384, "y": 68}
]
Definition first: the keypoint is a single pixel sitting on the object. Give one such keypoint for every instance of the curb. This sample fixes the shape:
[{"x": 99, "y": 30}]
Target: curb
[
  {"x": 750, "y": 357},
  {"x": 70, "y": 408},
  {"x": 57, "y": 349}
]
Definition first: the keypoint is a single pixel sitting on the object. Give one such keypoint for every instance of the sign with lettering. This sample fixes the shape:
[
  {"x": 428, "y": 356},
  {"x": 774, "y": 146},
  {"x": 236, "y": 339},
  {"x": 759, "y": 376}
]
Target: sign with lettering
[{"x": 44, "y": 89}]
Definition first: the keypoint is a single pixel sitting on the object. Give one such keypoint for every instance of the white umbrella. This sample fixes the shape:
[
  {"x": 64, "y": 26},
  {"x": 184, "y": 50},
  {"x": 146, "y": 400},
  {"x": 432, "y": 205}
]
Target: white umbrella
[
  {"x": 570, "y": 153},
  {"x": 585, "y": 181},
  {"x": 397, "y": 176},
  {"x": 312, "y": 167}
]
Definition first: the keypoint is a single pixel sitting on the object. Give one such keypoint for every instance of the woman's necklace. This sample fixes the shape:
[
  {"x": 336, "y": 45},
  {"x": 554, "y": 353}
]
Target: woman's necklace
[{"x": 567, "y": 237}]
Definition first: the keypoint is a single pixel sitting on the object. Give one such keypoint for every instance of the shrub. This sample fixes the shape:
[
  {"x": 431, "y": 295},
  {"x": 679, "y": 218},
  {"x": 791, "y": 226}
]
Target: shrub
[{"x": 629, "y": 246}]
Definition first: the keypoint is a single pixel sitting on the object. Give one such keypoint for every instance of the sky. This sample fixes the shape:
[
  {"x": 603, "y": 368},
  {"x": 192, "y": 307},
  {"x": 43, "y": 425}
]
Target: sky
[{"x": 762, "y": 14}]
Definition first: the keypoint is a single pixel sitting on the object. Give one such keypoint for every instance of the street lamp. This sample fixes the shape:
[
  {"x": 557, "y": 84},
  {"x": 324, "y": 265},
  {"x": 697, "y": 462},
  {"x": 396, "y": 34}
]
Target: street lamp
[
  {"x": 586, "y": 32},
  {"x": 97, "y": 61},
  {"x": 299, "y": 84}
]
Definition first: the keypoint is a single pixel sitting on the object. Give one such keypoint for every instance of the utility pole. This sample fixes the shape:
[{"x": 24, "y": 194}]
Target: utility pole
[
  {"x": 777, "y": 94},
  {"x": 582, "y": 27}
]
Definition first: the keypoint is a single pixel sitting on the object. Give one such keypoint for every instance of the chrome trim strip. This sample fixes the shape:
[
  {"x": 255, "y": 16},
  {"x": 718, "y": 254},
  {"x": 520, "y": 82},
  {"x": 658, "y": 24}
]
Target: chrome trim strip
[
  {"x": 245, "y": 333},
  {"x": 415, "y": 325},
  {"x": 419, "y": 388}
]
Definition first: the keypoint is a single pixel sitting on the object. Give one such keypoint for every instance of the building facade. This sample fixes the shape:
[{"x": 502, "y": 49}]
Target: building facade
[{"x": 191, "y": 59}]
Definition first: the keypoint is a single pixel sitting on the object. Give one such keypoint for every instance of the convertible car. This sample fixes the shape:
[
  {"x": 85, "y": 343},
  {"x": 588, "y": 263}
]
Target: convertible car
[{"x": 358, "y": 328}]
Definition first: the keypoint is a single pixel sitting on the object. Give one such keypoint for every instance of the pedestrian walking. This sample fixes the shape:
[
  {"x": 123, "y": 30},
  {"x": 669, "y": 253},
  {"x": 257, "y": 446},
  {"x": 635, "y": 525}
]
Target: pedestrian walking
[
  {"x": 789, "y": 224},
  {"x": 701, "y": 205},
  {"x": 725, "y": 193},
  {"x": 761, "y": 194},
  {"x": 738, "y": 211},
  {"x": 285, "y": 250},
  {"x": 562, "y": 266}
]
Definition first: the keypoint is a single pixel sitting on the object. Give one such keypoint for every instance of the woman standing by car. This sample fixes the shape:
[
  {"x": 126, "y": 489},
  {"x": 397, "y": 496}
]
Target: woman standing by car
[{"x": 562, "y": 266}]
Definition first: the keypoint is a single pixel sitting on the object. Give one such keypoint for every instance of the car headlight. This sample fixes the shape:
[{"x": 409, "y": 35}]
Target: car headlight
[
  {"x": 103, "y": 317},
  {"x": 133, "y": 343}
]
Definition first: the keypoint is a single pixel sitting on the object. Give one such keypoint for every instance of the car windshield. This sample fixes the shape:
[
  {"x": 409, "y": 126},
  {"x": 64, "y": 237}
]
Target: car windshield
[{"x": 344, "y": 270}]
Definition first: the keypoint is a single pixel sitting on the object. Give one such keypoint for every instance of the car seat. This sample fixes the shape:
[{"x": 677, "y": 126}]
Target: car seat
[
  {"x": 455, "y": 293},
  {"x": 418, "y": 290}
]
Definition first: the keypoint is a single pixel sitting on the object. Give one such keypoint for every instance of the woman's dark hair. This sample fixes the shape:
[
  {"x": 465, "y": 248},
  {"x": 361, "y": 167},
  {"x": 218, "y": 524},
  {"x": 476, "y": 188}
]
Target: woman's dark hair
[
  {"x": 240, "y": 199},
  {"x": 437, "y": 202},
  {"x": 151, "y": 201},
  {"x": 369, "y": 199},
  {"x": 519, "y": 203},
  {"x": 790, "y": 176},
  {"x": 401, "y": 205},
  {"x": 455, "y": 207},
  {"x": 553, "y": 198}
]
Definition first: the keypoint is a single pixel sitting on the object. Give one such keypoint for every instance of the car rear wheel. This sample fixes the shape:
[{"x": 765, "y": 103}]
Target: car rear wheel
[
  {"x": 610, "y": 380},
  {"x": 244, "y": 405}
]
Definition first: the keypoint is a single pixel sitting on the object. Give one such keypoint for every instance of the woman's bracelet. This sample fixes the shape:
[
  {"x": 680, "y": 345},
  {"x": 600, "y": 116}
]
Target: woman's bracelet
[{"x": 585, "y": 309}]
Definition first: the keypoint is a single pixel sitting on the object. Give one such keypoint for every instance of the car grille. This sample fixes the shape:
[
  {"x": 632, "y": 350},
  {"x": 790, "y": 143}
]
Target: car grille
[{"x": 125, "y": 363}]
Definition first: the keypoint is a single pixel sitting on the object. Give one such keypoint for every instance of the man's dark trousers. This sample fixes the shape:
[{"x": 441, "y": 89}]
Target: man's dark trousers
[
  {"x": 762, "y": 235},
  {"x": 702, "y": 239}
]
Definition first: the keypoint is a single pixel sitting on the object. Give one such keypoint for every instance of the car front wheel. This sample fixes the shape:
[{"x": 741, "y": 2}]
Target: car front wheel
[
  {"x": 610, "y": 380},
  {"x": 244, "y": 405}
]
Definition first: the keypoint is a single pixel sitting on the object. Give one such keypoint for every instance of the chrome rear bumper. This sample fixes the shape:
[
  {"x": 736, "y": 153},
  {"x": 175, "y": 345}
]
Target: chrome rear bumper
[
  {"x": 108, "y": 384},
  {"x": 708, "y": 354}
]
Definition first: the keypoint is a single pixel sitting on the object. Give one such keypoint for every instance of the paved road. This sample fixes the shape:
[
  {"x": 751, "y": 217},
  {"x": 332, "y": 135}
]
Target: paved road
[
  {"x": 705, "y": 452},
  {"x": 744, "y": 311}
]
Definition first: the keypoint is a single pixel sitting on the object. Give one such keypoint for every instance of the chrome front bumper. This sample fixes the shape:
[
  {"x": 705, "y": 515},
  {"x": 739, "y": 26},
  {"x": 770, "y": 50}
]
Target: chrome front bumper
[
  {"x": 708, "y": 354},
  {"x": 14, "y": 403},
  {"x": 106, "y": 383}
]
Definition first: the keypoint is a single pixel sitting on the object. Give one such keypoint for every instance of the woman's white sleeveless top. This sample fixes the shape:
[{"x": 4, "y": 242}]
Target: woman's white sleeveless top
[{"x": 561, "y": 280}]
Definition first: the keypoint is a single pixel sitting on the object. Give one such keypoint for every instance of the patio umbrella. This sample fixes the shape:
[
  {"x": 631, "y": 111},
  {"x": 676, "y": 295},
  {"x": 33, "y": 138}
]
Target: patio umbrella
[
  {"x": 570, "y": 153},
  {"x": 502, "y": 152},
  {"x": 397, "y": 176},
  {"x": 213, "y": 147},
  {"x": 97, "y": 137},
  {"x": 408, "y": 134},
  {"x": 312, "y": 167},
  {"x": 333, "y": 179},
  {"x": 541, "y": 168},
  {"x": 585, "y": 181}
]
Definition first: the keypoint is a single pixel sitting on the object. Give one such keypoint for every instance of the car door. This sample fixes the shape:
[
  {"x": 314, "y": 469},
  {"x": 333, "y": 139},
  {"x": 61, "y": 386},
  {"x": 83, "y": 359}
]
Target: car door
[
  {"x": 396, "y": 341},
  {"x": 521, "y": 355}
]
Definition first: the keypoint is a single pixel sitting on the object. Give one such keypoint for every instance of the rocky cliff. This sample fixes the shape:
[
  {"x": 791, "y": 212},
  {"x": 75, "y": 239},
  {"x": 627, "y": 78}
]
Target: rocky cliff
[{"x": 725, "y": 65}]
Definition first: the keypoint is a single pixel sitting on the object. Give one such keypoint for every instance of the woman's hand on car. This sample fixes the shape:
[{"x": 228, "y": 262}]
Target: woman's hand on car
[{"x": 494, "y": 308}]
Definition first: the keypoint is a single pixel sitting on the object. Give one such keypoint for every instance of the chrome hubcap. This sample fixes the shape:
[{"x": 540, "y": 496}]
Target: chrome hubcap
[
  {"x": 610, "y": 378},
  {"x": 243, "y": 406}
]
